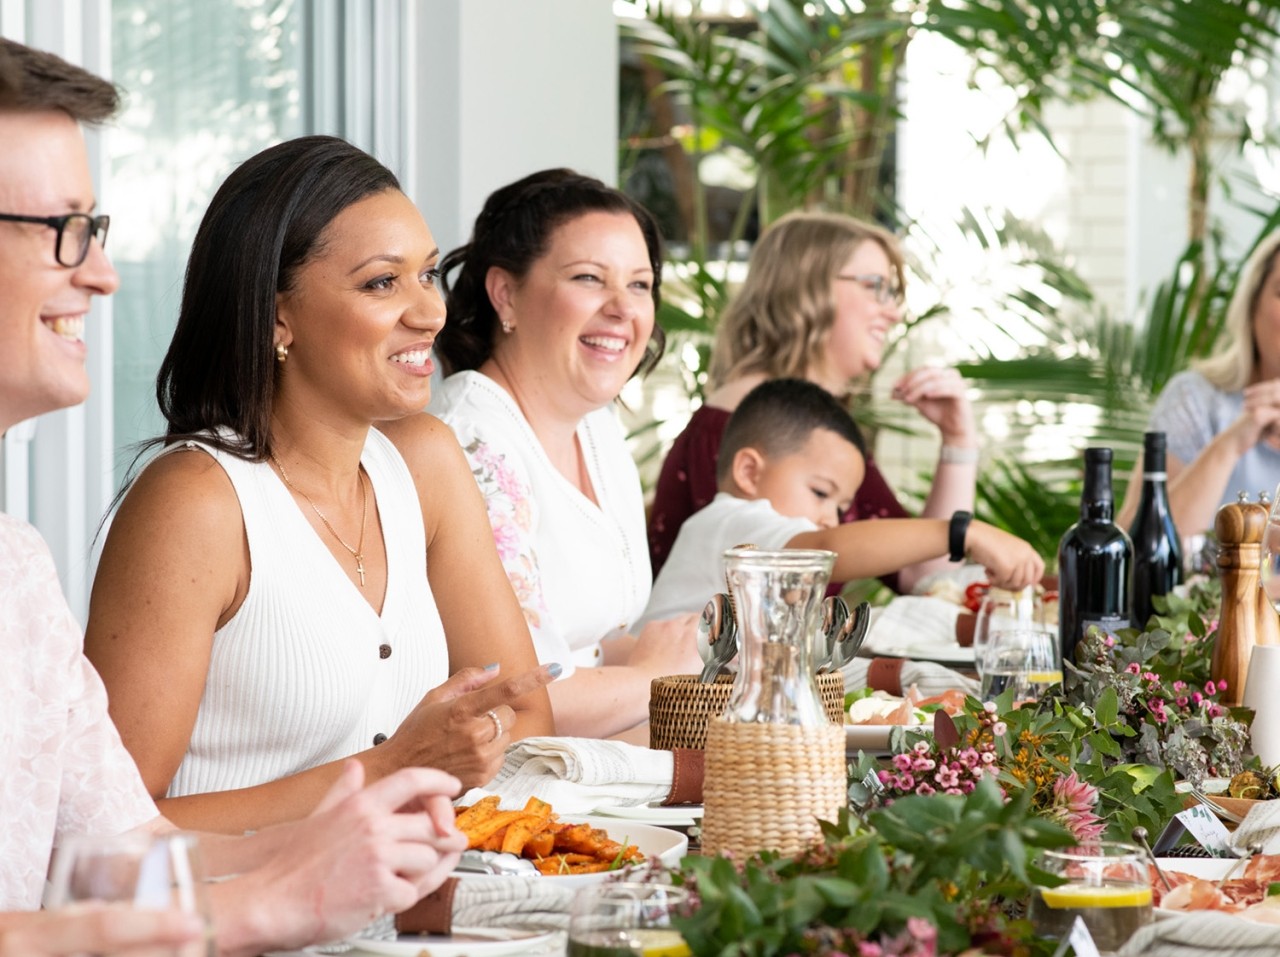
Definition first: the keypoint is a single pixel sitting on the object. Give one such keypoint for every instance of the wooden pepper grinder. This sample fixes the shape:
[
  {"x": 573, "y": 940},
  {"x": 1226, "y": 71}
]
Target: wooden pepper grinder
[{"x": 1247, "y": 618}]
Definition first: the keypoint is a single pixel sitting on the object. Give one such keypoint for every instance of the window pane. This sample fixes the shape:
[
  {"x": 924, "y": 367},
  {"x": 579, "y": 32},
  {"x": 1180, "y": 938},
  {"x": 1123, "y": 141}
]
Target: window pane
[{"x": 208, "y": 85}]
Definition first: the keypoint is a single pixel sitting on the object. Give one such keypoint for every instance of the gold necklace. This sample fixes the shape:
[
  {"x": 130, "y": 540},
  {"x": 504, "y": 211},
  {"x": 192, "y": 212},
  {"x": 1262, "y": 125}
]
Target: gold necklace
[{"x": 358, "y": 552}]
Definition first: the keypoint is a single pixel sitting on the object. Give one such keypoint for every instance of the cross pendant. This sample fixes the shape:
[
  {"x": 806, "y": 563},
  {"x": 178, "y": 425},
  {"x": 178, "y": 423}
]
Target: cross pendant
[{"x": 360, "y": 569}]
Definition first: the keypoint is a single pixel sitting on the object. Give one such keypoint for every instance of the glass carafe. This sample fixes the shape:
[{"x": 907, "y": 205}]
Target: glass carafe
[{"x": 777, "y": 598}]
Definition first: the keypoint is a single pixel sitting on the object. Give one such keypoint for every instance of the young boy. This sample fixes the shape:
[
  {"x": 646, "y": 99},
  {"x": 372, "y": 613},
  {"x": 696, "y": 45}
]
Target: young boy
[{"x": 790, "y": 462}]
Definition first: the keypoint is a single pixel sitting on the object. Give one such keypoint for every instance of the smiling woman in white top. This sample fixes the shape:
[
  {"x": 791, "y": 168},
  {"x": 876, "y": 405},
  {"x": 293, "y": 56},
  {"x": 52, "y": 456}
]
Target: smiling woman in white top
[
  {"x": 284, "y": 588},
  {"x": 550, "y": 313}
]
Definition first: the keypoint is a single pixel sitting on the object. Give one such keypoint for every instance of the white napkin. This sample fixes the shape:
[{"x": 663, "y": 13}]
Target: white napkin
[
  {"x": 916, "y": 626},
  {"x": 578, "y": 775},
  {"x": 1204, "y": 932},
  {"x": 1261, "y": 827}
]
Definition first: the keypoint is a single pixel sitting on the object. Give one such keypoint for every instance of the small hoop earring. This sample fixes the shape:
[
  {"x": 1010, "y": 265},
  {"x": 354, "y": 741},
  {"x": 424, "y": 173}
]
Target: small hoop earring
[
  {"x": 282, "y": 352},
  {"x": 507, "y": 327}
]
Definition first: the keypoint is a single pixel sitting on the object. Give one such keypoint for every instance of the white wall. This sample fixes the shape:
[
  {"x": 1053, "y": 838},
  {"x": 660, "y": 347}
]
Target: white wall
[
  {"x": 497, "y": 89},
  {"x": 503, "y": 88}
]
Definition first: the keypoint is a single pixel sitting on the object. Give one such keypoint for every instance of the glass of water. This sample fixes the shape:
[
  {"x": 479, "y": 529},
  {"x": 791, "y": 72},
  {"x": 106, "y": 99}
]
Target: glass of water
[
  {"x": 1005, "y": 611},
  {"x": 151, "y": 871},
  {"x": 1024, "y": 659}
]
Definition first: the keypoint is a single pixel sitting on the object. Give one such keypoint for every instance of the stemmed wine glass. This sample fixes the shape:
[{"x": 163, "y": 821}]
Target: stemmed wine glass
[
  {"x": 1271, "y": 553},
  {"x": 1005, "y": 611},
  {"x": 157, "y": 872}
]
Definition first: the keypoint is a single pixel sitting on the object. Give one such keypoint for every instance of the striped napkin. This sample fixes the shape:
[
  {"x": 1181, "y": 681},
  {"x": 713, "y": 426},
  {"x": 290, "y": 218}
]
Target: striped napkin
[{"x": 1204, "y": 932}]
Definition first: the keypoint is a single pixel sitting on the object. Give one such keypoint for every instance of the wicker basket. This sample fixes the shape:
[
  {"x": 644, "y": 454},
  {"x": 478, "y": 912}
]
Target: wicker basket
[
  {"x": 681, "y": 705},
  {"x": 768, "y": 785}
]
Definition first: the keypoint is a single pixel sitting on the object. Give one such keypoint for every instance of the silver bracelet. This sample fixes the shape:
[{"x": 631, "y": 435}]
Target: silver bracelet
[{"x": 955, "y": 455}]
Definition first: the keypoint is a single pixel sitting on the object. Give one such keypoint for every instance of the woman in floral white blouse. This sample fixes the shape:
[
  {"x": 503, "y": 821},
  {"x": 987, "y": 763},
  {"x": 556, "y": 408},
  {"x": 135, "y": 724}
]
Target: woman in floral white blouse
[{"x": 550, "y": 313}]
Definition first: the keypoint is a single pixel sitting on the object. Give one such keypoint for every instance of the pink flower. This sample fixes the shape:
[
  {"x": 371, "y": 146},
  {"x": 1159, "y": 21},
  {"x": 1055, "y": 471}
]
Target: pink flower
[
  {"x": 1073, "y": 804},
  {"x": 1133, "y": 668},
  {"x": 999, "y": 728}
]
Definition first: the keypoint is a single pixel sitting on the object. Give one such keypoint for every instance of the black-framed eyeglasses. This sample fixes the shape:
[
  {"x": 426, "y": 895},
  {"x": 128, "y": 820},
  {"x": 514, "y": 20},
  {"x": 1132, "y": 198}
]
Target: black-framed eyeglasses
[
  {"x": 74, "y": 233},
  {"x": 883, "y": 290}
]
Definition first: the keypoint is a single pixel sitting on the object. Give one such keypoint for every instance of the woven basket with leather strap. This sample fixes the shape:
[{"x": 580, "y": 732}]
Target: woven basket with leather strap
[{"x": 681, "y": 705}]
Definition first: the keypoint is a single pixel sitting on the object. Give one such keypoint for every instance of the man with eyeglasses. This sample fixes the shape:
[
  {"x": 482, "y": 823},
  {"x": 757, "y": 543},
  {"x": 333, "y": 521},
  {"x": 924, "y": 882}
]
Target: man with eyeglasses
[{"x": 63, "y": 769}]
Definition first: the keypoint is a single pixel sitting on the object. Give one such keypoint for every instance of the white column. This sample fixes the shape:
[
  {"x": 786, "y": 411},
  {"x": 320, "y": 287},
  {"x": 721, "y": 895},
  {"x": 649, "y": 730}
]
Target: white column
[{"x": 501, "y": 88}]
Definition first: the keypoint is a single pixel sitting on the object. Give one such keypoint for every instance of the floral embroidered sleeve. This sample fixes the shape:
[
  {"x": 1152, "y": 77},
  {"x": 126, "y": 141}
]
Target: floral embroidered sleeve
[{"x": 513, "y": 515}]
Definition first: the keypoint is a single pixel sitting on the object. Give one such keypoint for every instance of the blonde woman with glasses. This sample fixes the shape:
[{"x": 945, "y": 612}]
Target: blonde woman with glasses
[
  {"x": 1222, "y": 416},
  {"x": 822, "y": 296}
]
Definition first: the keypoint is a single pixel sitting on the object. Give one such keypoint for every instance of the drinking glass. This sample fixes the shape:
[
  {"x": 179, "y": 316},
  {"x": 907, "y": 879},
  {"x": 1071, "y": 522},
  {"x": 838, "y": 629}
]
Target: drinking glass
[
  {"x": 1106, "y": 885},
  {"x": 1024, "y": 659},
  {"x": 1005, "y": 611},
  {"x": 156, "y": 872},
  {"x": 627, "y": 919},
  {"x": 1271, "y": 553}
]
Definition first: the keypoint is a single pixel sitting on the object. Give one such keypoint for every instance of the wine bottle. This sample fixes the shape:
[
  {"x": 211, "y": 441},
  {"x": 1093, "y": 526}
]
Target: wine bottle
[
  {"x": 1157, "y": 550},
  {"x": 1094, "y": 559}
]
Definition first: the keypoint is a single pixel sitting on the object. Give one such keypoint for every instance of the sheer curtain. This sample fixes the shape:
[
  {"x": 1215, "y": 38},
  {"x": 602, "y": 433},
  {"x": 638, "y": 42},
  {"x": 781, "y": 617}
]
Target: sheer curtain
[{"x": 208, "y": 85}]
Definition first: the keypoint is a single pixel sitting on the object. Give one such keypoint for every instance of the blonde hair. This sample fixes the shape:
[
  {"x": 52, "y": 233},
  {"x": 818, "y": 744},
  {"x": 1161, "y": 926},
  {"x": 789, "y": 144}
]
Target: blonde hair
[
  {"x": 778, "y": 322},
  {"x": 1232, "y": 366}
]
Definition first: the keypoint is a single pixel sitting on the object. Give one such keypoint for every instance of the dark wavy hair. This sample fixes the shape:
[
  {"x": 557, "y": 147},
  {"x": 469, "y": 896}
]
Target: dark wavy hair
[
  {"x": 264, "y": 223},
  {"x": 778, "y": 416},
  {"x": 512, "y": 231}
]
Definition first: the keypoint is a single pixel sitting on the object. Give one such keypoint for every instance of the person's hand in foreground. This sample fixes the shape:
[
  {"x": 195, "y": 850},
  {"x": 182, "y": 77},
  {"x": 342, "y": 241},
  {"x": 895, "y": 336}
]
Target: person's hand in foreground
[
  {"x": 94, "y": 928},
  {"x": 363, "y": 853}
]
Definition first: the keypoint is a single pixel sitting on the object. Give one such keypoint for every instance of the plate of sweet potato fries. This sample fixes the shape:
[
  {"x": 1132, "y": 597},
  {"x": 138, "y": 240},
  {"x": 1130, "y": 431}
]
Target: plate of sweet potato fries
[{"x": 586, "y": 847}]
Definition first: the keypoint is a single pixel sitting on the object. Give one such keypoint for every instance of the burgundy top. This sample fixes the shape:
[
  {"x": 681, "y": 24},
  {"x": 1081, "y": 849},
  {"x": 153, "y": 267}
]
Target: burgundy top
[{"x": 688, "y": 482}]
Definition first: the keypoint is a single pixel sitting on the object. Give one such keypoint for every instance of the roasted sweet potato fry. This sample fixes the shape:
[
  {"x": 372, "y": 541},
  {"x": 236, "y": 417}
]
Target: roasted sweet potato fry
[
  {"x": 477, "y": 834},
  {"x": 554, "y": 847},
  {"x": 520, "y": 831},
  {"x": 469, "y": 816},
  {"x": 540, "y": 844}
]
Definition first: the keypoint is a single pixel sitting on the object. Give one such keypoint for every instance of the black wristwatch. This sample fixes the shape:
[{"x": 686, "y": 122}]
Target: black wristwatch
[{"x": 955, "y": 535}]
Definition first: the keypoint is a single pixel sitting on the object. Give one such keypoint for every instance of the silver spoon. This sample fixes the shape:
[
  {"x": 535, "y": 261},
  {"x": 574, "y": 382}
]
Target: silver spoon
[
  {"x": 720, "y": 631},
  {"x": 835, "y": 617},
  {"x": 1139, "y": 835},
  {"x": 851, "y": 638}
]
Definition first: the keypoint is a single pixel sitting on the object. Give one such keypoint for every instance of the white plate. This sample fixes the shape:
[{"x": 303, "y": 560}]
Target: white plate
[
  {"x": 874, "y": 738},
  {"x": 1209, "y": 786},
  {"x": 464, "y": 942},
  {"x": 667, "y": 845},
  {"x": 680, "y": 815}
]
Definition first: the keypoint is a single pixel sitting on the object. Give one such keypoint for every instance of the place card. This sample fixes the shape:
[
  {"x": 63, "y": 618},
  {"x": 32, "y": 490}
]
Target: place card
[
  {"x": 1079, "y": 941},
  {"x": 1207, "y": 828}
]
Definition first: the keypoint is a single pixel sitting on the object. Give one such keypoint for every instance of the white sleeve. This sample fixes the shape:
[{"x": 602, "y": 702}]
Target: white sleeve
[{"x": 1182, "y": 413}]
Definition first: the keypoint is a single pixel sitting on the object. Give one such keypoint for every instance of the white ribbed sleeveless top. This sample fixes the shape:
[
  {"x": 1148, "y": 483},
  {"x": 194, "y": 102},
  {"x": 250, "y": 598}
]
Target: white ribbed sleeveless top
[{"x": 297, "y": 677}]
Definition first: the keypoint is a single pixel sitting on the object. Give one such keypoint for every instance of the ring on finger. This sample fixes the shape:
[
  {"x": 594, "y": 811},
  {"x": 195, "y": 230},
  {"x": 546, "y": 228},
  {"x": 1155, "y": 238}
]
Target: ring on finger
[{"x": 497, "y": 724}]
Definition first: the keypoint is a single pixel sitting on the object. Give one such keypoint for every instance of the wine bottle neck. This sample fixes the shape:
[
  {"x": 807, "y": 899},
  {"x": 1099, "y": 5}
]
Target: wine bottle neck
[{"x": 1096, "y": 502}]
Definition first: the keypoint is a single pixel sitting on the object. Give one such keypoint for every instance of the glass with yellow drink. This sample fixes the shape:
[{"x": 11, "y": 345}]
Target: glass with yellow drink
[
  {"x": 1106, "y": 884},
  {"x": 627, "y": 919}
]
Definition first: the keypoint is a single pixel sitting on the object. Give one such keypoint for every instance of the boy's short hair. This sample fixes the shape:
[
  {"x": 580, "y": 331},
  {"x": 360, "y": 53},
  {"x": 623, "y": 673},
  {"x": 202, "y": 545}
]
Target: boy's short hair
[
  {"x": 35, "y": 81},
  {"x": 777, "y": 417}
]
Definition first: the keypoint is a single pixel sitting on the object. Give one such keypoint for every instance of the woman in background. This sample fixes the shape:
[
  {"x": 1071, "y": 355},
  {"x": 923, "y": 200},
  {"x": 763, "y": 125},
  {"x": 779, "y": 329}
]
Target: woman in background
[
  {"x": 550, "y": 314},
  {"x": 291, "y": 589},
  {"x": 1222, "y": 417},
  {"x": 822, "y": 294}
]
